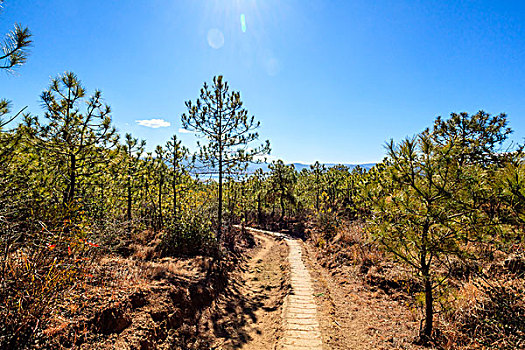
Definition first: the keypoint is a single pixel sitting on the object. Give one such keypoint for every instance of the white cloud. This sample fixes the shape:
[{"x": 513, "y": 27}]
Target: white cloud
[
  {"x": 154, "y": 123},
  {"x": 185, "y": 131}
]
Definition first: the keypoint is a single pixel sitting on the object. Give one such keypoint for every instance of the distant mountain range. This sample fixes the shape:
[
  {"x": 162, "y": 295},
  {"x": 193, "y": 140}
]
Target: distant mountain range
[
  {"x": 252, "y": 167},
  {"x": 301, "y": 166}
]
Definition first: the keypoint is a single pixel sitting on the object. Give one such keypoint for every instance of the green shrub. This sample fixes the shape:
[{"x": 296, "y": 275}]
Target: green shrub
[
  {"x": 327, "y": 222},
  {"x": 188, "y": 236}
]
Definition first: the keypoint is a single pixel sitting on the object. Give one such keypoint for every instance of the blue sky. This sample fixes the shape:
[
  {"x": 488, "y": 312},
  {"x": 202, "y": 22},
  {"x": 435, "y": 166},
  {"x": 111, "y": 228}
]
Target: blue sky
[{"x": 329, "y": 80}]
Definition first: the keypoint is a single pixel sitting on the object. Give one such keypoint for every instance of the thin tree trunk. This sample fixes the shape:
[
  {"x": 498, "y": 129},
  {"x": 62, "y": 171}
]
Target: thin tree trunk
[
  {"x": 219, "y": 230},
  {"x": 174, "y": 185},
  {"x": 259, "y": 212},
  {"x": 161, "y": 183},
  {"x": 429, "y": 312},
  {"x": 282, "y": 204},
  {"x": 72, "y": 181},
  {"x": 281, "y": 187},
  {"x": 317, "y": 192},
  {"x": 245, "y": 211},
  {"x": 425, "y": 272},
  {"x": 148, "y": 213},
  {"x": 128, "y": 211},
  {"x": 175, "y": 178}
]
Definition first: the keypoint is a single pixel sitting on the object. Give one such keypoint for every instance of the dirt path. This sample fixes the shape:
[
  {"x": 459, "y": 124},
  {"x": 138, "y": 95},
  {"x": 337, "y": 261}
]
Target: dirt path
[
  {"x": 354, "y": 315},
  {"x": 252, "y": 307},
  {"x": 334, "y": 309},
  {"x": 300, "y": 313},
  {"x": 264, "y": 281}
]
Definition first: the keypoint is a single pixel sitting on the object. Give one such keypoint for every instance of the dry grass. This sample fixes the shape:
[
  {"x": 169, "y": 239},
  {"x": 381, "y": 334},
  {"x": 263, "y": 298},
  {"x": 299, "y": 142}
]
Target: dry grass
[
  {"x": 36, "y": 275},
  {"x": 138, "y": 300},
  {"x": 481, "y": 305}
]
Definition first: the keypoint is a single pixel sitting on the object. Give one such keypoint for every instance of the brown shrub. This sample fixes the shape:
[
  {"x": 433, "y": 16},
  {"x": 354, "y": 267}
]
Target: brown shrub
[
  {"x": 35, "y": 274},
  {"x": 487, "y": 315}
]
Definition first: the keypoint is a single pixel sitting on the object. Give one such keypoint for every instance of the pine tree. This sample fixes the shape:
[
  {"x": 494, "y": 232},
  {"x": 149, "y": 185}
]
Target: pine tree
[
  {"x": 76, "y": 140},
  {"x": 282, "y": 183},
  {"x": 317, "y": 170},
  {"x": 177, "y": 155},
  {"x": 432, "y": 196},
  {"x": 15, "y": 47},
  {"x": 160, "y": 172},
  {"x": 133, "y": 150},
  {"x": 218, "y": 115},
  {"x": 14, "y": 53}
]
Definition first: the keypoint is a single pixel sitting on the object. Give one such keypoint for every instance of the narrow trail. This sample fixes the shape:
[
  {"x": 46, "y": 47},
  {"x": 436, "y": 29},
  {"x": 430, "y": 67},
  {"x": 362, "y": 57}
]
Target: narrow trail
[
  {"x": 264, "y": 283},
  {"x": 300, "y": 322},
  {"x": 318, "y": 306},
  {"x": 302, "y": 329}
]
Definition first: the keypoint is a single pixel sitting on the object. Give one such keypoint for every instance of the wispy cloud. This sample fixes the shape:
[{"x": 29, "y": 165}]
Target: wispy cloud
[
  {"x": 154, "y": 123},
  {"x": 185, "y": 131}
]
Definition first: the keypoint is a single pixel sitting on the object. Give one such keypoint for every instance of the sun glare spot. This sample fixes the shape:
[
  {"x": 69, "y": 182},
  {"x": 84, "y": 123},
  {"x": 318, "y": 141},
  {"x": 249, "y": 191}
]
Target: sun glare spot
[
  {"x": 243, "y": 23},
  {"x": 272, "y": 66},
  {"x": 215, "y": 38}
]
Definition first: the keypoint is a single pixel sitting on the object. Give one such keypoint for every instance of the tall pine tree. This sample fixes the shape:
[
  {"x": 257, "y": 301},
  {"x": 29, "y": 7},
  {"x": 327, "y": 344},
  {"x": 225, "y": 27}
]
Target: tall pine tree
[{"x": 218, "y": 115}]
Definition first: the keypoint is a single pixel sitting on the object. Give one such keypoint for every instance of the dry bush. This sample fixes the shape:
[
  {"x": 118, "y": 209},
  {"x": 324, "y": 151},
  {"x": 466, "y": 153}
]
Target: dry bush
[
  {"x": 487, "y": 314},
  {"x": 115, "y": 235},
  {"x": 143, "y": 252},
  {"x": 36, "y": 272},
  {"x": 350, "y": 245},
  {"x": 327, "y": 222}
]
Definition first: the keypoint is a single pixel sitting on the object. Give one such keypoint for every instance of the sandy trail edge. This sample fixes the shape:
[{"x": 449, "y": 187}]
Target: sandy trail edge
[{"x": 301, "y": 326}]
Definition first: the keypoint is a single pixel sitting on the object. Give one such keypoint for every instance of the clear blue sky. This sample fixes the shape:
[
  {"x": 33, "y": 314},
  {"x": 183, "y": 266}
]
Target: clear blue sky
[{"x": 329, "y": 80}]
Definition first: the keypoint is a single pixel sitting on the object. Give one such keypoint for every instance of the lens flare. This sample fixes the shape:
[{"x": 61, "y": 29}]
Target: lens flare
[
  {"x": 215, "y": 38},
  {"x": 243, "y": 23}
]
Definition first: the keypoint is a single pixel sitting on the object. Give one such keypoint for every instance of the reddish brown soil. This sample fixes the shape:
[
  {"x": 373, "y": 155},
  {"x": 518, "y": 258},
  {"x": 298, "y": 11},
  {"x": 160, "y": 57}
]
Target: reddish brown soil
[
  {"x": 183, "y": 303},
  {"x": 354, "y": 315},
  {"x": 134, "y": 303},
  {"x": 249, "y": 312}
]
